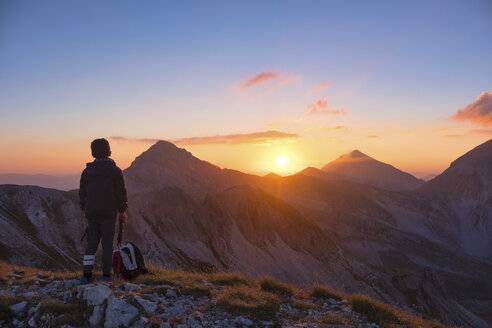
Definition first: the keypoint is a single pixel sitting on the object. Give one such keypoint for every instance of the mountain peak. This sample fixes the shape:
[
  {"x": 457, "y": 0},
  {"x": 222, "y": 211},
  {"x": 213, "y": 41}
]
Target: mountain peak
[
  {"x": 358, "y": 167},
  {"x": 355, "y": 154}
]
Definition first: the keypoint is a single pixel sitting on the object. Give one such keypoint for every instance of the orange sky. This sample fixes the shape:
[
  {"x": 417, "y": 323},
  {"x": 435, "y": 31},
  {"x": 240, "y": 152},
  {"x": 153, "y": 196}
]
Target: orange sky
[{"x": 422, "y": 150}]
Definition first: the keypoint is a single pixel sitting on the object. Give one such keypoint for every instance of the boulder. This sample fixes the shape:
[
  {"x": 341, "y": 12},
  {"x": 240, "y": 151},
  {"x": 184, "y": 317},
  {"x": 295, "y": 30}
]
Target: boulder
[
  {"x": 96, "y": 315},
  {"x": 129, "y": 287},
  {"x": 148, "y": 306},
  {"x": 18, "y": 308},
  {"x": 119, "y": 313},
  {"x": 94, "y": 294}
]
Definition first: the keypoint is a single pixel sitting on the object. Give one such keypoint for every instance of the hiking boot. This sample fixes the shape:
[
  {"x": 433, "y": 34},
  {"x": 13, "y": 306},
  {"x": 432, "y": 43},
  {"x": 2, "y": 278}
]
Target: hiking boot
[
  {"x": 107, "y": 278},
  {"x": 85, "y": 281}
]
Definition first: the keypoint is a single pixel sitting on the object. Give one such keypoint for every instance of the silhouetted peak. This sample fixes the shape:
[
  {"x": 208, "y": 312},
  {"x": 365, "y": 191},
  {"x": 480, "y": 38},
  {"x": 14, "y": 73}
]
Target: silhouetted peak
[
  {"x": 163, "y": 153},
  {"x": 355, "y": 154},
  {"x": 480, "y": 153},
  {"x": 272, "y": 175}
]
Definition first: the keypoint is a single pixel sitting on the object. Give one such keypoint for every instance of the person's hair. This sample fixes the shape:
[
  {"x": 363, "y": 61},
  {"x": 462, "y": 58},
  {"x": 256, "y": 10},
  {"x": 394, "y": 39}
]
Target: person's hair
[{"x": 100, "y": 148}]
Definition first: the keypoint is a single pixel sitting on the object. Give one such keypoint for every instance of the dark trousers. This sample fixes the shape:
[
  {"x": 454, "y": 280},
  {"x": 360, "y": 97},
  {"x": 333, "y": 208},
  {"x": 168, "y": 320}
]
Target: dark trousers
[{"x": 97, "y": 231}]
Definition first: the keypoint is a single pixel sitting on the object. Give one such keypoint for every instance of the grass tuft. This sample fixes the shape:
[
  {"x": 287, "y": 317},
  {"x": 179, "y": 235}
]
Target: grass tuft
[
  {"x": 303, "y": 305},
  {"x": 187, "y": 283},
  {"x": 375, "y": 311},
  {"x": 249, "y": 301},
  {"x": 270, "y": 285},
  {"x": 325, "y": 292},
  {"x": 230, "y": 279},
  {"x": 333, "y": 319}
]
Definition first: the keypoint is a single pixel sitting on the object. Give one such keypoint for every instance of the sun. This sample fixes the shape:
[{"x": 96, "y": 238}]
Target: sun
[{"x": 282, "y": 161}]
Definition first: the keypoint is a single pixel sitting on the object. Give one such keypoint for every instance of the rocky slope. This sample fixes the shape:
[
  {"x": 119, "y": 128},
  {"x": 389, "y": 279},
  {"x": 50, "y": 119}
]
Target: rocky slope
[
  {"x": 181, "y": 299},
  {"x": 405, "y": 248}
]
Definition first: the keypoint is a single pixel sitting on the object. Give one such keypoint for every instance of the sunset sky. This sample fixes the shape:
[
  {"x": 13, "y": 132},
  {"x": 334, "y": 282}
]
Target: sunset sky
[{"x": 241, "y": 83}]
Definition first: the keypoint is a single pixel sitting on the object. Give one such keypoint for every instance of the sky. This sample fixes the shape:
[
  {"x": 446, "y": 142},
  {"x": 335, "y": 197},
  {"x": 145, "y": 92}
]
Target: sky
[{"x": 242, "y": 83}]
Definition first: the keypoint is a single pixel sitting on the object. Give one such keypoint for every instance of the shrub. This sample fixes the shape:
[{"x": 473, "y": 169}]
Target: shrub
[
  {"x": 248, "y": 301},
  {"x": 375, "y": 311},
  {"x": 325, "y": 292},
  {"x": 270, "y": 285}
]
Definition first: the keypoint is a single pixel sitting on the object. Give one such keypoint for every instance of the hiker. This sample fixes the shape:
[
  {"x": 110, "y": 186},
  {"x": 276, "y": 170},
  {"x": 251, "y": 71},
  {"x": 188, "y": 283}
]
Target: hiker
[{"x": 102, "y": 199}]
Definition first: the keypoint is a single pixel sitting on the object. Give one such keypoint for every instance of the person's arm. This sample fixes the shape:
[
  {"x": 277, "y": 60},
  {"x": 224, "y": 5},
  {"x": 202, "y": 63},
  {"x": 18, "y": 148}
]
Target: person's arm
[
  {"x": 121, "y": 196},
  {"x": 83, "y": 190}
]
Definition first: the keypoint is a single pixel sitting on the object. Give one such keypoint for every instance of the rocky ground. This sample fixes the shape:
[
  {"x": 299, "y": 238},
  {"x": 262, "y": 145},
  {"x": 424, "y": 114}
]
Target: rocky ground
[{"x": 176, "y": 299}]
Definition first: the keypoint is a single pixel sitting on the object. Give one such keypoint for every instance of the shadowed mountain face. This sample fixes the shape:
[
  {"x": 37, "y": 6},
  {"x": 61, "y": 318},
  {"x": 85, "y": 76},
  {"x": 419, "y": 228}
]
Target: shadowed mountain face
[
  {"x": 358, "y": 167},
  {"x": 165, "y": 165},
  {"x": 416, "y": 249}
]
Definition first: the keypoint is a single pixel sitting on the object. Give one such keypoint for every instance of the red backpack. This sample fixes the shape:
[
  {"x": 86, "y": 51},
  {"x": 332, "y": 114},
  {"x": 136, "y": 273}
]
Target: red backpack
[{"x": 128, "y": 261}]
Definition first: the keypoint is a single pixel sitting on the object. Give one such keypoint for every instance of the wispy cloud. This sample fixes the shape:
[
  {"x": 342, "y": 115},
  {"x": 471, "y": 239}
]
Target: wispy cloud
[
  {"x": 479, "y": 111},
  {"x": 326, "y": 128},
  {"x": 482, "y": 131},
  {"x": 263, "y": 137},
  {"x": 373, "y": 136},
  {"x": 321, "y": 106},
  {"x": 259, "y": 79},
  {"x": 320, "y": 87},
  {"x": 124, "y": 139}
]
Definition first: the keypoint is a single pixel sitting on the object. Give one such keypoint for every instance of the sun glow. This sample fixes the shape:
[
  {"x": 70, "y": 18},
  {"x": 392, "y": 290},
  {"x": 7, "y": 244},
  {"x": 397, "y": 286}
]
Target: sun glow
[{"x": 282, "y": 161}]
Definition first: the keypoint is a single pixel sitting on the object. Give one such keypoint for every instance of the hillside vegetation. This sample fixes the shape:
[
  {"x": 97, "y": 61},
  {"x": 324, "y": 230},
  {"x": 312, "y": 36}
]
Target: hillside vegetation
[{"x": 169, "y": 298}]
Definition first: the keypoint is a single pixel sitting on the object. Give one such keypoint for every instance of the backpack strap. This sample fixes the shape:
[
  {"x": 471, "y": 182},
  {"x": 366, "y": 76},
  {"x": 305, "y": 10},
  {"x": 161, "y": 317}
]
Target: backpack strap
[
  {"x": 130, "y": 248},
  {"x": 120, "y": 233}
]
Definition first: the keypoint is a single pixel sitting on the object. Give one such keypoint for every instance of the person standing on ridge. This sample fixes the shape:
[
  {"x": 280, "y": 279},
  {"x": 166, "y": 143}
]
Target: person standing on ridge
[{"x": 103, "y": 198}]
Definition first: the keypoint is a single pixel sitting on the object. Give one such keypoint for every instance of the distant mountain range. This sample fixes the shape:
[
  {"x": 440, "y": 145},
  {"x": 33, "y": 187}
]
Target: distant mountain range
[
  {"x": 62, "y": 182},
  {"x": 357, "y": 224}
]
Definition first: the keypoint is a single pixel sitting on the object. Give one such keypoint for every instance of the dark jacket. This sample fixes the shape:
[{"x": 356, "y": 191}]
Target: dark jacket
[{"x": 102, "y": 190}]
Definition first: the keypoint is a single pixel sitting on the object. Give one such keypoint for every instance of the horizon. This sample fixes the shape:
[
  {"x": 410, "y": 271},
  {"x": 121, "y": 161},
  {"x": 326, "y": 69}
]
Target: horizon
[
  {"x": 257, "y": 87},
  {"x": 420, "y": 175}
]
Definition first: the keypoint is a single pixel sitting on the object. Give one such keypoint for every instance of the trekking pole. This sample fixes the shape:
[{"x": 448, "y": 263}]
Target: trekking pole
[
  {"x": 120, "y": 233},
  {"x": 83, "y": 236}
]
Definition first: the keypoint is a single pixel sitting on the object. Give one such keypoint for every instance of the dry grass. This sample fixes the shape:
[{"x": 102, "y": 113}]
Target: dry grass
[
  {"x": 230, "y": 279},
  {"x": 30, "y": 273},
  {"x": 270, "y": 285},
  {"x": 387, "y": 316},
  {"x": 375, "y": 311},
  {"x": 333, "y": 319},
  {"x": 303, "y": 305},
  {"x": 250, "y": 301},
  {"x": 187, "y": 283},
  {"x": 319, "y": 291}
]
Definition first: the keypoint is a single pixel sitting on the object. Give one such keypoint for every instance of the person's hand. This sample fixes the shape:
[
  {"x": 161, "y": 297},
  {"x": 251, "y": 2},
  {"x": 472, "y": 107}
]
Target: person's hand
[{"x": 122, "y": 217}]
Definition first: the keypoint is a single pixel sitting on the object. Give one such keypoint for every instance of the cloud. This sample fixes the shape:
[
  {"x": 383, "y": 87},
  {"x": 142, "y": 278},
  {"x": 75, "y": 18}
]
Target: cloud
[
  {"x": 320, "y": 87},
  {"x": 373, "y": 136},
  {"x": 321, "y": 106},
  {"x": 263, "y": 137},
  {"x": 326, "y": 128},
  {"x": 479, "y": 111},
  {"x": 260, "y": 78},
  {"x": 124, "y": 139},
  {"x": 482, "y": 131}
]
